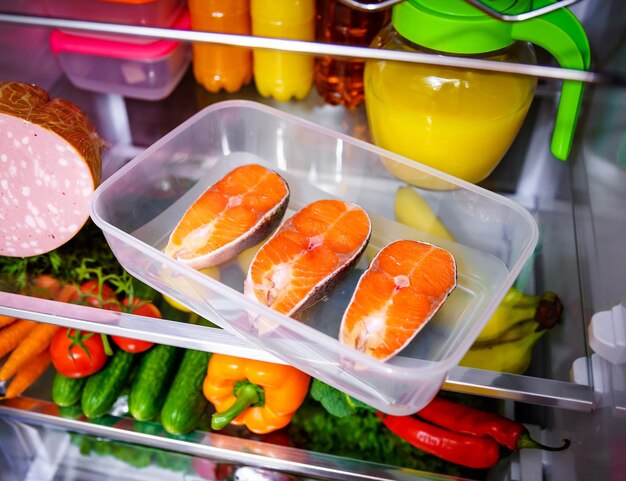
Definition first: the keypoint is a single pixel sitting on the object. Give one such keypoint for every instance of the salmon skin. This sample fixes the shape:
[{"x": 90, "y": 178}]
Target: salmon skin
[
  {"x": 402, "y": 289},
  {"x": 308, "y": 255},
  {"x": 235, "y": 213}
]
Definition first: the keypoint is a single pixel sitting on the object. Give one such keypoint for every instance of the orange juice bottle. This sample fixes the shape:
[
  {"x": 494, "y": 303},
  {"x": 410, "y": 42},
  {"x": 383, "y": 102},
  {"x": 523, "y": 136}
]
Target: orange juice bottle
[
  {"x": 283, "y": 75},
  {"x": 463, "y": 121},
  {"x": 459, "y": 121},
  {"x": 216, "y": 66}
]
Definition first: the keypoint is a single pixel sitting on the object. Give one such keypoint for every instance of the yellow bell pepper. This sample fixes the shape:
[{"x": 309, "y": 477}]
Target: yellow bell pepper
[{"x": 263, "y": 396}]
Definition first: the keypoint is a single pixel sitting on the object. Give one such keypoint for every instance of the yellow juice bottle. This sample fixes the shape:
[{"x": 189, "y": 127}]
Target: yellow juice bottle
[
  {"x": 283, "y": 75},
  {"x": 463, "y": 120}
]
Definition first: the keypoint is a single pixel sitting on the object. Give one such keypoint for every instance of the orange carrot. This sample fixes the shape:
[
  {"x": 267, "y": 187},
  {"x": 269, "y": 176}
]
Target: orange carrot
[
  {"x": 28, "y": 374},
  {"x": 12, "y": 335},
  {"x": 34, "y": 343},
  {"x": 6, "y": 320}
]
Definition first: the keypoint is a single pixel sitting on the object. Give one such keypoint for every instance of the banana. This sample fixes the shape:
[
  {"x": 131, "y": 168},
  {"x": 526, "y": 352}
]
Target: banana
[
  {"x": 371, "y": 252},
  {"x": 515, "y": 297},
  {"x": 213, "y": 272},
  {"x": 245, "y": 258},
  {"x": 516, "y": 332},
  {"x": 506, "y": 342},
  {"x": 511, "y": 357},
  {"x": 175, "y": 304},
  {"x": 504, "y": 318},
  {"x": 546, "y": 310},
  {"x": 411, "y": 209}
]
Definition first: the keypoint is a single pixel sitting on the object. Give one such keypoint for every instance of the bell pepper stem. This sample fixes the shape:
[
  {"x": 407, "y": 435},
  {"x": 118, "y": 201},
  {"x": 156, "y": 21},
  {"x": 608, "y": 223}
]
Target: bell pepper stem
[
  {"x": 247, "y": 395},
  {"x": 524, "y": 441}
]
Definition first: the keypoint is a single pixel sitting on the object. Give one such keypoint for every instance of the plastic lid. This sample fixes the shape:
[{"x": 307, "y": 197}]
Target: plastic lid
[
  {"x": 455, "y": 26},
  {"x": 90, "y": 45}
]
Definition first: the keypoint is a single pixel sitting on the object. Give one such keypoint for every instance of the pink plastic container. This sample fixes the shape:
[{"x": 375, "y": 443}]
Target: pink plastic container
[
  {"x": 153, "y": 13},
  {"x": 148, "y": 71}
]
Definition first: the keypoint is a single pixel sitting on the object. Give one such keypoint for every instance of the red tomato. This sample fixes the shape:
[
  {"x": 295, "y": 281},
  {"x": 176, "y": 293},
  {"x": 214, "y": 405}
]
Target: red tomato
[
  {"x": 45, "y": 287},
  {"x": 141, "y": 308},
  {"x": 77, "y": 353},
  {"x": 133, "y": 346},
  {"x": 90, "y": 295}
]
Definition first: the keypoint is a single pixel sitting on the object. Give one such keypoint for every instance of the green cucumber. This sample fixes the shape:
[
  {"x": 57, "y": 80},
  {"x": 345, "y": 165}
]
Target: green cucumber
[
  {"x": 70, "y": 412},
  {"x": 172, "y": 461},
  {"x": 102, "y": 447},
  {"x": 133, "y": 455},
  {"x": 86, "y": 445},
  {"x": 148, "y": 427},
  {"x": 105, "y": 386},
  {"x": 151, "y": 382},
  {"x": 66, "y": 391},
  {"x": 185, "y": 402}
]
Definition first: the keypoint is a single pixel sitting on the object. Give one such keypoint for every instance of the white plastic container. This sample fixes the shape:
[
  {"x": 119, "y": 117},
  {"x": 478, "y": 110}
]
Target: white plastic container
[
  {"x": 152, "y": 13},
  {"x": 147, "y": 71},
  {"x": 139, "y": 206}
]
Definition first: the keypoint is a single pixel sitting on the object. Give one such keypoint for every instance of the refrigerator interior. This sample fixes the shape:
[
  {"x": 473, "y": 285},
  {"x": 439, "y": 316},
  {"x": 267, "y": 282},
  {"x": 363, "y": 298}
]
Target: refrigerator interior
[{"x": 568, "y": 391}]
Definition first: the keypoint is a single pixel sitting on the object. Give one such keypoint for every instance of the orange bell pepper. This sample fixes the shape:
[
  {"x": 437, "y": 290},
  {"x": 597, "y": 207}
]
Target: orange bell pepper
[{"x": 263, "y": 396}]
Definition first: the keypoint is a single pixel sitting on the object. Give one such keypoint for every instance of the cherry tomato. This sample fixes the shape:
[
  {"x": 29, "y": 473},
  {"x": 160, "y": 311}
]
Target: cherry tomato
[
  {"x": 133, "y": 346},
  {"x": 90, "y": 294},
  {"x": 141, "y": 308},
  {"x": 45, "y": 286},
  {"x": 77, "y": 353}
]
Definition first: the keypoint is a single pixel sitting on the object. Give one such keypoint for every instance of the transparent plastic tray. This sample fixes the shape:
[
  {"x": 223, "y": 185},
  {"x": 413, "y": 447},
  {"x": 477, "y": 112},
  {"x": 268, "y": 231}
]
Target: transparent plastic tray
[{"x": 139, "y": 206}]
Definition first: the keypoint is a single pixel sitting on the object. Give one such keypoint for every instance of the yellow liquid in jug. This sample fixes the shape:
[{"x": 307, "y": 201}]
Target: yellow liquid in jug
[{"x": 459, "y": 122}]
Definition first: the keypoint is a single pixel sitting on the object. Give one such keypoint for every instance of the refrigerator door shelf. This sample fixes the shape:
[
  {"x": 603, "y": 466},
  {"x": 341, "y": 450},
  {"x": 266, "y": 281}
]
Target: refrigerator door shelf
[
  {"x": 607, "y": 334},
  {"x": 609, "y": 382}
]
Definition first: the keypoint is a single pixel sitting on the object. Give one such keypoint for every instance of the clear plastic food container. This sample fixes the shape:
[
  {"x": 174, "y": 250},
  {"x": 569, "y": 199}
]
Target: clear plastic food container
[
  {"x": 148, "y": 71},
  {"x": 152, "y": 13},
  {"x": 139, "y": 206}
]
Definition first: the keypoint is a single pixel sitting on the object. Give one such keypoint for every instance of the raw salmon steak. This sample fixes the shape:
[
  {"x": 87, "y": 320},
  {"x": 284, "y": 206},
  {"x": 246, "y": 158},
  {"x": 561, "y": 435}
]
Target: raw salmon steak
[
  {"x": 309, "y": 254},
  {"x": 235, "y": 213},
  {"x": 404, "y": 286}
]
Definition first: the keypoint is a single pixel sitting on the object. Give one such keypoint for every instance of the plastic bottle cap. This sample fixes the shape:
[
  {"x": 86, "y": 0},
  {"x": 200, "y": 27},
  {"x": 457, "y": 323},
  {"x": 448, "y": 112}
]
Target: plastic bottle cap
[{"x": 455, "y": 26}]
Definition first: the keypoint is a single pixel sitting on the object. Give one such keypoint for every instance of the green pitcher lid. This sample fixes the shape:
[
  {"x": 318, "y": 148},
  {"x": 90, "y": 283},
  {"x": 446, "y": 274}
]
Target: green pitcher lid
[{"x": 455, "y": 26}]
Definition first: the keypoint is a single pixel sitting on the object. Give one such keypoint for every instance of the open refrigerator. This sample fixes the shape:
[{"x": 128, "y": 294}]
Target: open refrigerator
[{"x": 575, "y": 386}]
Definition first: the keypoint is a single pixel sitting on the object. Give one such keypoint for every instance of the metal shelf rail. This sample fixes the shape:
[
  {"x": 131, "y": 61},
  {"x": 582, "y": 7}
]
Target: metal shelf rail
[{"x": 317, "y": 48}]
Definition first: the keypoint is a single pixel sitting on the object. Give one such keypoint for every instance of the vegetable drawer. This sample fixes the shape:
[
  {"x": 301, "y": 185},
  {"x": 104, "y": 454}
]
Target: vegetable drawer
[{"x": 139, "y": 206}]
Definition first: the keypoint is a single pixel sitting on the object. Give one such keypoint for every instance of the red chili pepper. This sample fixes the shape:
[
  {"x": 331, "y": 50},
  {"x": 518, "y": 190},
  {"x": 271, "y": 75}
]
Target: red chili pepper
[
  {"x": 477, "y": 452},
  {"x": 468, "y": 420}
]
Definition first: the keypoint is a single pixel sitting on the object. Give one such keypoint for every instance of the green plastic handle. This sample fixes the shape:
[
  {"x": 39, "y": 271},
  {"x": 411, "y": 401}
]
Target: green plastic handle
[{"x": 561, "y": 34}]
